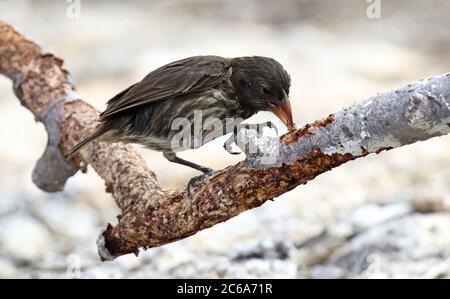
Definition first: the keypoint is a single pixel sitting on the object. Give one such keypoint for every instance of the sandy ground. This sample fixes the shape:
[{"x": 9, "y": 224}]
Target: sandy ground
[{"x": 382, "y": 216}]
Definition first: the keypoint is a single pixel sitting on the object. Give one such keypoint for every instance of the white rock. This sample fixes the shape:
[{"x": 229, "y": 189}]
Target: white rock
[
  {"x": 9, "y": 202},
  {"x": 416, "y": 246},
  {"x": 22, "y": 237},
  {"x": 372, "y": 214},
  {"x": 327, "y": 272},
  {"x": 257, "y": 268},
  {"x": 8, "y": 270},
  {"x": 68, "y": 219}
]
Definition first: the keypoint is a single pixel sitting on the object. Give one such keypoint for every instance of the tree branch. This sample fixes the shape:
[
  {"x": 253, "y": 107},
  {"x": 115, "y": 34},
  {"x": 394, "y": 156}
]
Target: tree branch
[{"x": 151, "y": 216}]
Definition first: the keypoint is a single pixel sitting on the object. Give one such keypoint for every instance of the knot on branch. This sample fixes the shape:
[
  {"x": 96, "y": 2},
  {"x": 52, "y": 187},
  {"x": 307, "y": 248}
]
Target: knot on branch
[{"x": 52, "y": 170}]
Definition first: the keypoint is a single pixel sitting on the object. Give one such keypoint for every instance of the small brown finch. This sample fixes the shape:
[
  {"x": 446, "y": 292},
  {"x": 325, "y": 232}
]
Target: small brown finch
[{"x": 221, "y": 88}]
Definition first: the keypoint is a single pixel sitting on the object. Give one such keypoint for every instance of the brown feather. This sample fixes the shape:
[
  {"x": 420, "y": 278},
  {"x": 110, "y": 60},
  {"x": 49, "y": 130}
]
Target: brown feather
[{"x": 189, "y": 75}]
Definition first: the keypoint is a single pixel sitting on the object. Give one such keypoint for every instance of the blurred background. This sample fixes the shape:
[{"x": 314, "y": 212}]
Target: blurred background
[{"x": 386, "y": 215}]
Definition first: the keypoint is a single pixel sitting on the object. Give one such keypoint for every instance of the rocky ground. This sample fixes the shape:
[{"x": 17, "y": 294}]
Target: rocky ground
[{"x": 382, "y": 216}]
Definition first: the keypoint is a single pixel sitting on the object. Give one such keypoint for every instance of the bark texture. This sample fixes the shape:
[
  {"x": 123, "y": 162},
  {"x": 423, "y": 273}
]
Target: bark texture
[{"x": 151, "y": 216}]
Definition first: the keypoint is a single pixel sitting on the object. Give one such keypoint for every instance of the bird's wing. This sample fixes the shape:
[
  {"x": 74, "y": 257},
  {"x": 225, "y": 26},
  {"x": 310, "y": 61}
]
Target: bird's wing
[{"x": 181, "y": 77}]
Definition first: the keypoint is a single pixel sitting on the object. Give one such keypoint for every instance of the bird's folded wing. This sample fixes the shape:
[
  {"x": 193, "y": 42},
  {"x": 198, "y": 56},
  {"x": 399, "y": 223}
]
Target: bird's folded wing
[{"x": 193, "y": 74}]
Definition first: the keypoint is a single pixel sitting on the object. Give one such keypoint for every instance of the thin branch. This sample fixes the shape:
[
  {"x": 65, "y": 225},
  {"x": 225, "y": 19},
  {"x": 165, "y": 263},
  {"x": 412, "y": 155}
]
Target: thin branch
[{"x": 151, "y": 216}]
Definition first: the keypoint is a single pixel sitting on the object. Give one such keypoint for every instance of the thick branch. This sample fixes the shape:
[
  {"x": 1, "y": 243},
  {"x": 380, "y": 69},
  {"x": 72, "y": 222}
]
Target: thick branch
[{"x": 152, "y": 216}]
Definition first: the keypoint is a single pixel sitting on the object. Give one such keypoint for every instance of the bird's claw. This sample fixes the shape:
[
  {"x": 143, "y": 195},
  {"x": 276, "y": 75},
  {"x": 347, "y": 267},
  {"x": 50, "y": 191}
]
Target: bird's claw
[
  {"x": 233, "y": 138},
  {"x": 197, "y": 179},
  {"x": 227, "y": 146},
  {"x": 234, "y": 152}
]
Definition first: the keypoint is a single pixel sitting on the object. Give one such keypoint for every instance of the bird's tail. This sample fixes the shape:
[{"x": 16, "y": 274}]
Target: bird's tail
[{"x": 84, "y": 142}]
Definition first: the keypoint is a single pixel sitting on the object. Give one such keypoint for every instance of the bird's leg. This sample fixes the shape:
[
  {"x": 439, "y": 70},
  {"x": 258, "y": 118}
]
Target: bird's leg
[
  {"x": 233, "y": 138},
  {"x": 172, "y": 157}
]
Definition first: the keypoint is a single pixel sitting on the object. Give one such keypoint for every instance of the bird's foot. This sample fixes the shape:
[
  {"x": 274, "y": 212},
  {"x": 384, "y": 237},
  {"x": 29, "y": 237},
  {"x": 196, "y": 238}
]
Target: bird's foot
[
  {"x": 228, "y": 146},
  {"x": 197, "y": 179},
  {"x": 233, "y": 140}
]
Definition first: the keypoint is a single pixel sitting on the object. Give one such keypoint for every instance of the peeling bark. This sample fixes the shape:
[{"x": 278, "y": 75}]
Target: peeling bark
[{"x": 151, "y": 216}]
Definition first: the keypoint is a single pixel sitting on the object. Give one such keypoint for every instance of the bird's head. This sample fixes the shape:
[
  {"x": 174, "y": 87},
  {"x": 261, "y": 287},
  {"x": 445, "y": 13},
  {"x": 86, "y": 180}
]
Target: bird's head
[{"x": 262, "y": 84}]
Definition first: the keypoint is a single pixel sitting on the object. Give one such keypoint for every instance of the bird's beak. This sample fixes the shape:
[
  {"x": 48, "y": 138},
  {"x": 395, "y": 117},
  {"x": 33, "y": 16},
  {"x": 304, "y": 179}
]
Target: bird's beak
[{"x": 282, "y": 109}]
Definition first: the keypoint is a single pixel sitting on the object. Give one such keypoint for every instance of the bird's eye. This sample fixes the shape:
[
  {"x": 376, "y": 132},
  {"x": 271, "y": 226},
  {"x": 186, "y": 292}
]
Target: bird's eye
[
  {"x": 266, "y": 90},
  {"x": 245, "y": 83},
  {"x": 281, "y": 98}
]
